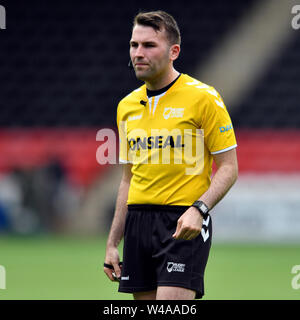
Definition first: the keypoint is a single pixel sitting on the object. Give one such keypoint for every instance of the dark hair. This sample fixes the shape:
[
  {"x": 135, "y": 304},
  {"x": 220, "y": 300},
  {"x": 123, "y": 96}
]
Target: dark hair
[{"x": 160, "y": 20}]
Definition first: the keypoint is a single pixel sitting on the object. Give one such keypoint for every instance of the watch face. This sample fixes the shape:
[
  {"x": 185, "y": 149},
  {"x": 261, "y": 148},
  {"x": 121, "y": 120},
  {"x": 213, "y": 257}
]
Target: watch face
[{"x": 203, "y": 208}]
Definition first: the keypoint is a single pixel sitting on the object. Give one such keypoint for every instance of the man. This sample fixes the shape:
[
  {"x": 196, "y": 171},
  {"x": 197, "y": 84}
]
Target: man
[{"x": 163, "y": 202}]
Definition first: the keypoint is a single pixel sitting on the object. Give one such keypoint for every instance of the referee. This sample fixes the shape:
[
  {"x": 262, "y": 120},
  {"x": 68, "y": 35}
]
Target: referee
[{"x": 171, "y": 130}]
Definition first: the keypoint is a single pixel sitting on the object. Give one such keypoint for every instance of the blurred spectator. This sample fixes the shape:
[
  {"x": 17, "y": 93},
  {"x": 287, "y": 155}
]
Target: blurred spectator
[{"x": 39, "y": 199}]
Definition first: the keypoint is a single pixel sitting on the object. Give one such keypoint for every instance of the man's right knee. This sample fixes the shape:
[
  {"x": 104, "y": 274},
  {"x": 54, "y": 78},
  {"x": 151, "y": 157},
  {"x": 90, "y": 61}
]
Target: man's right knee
[{"x": 146, "y": 295}]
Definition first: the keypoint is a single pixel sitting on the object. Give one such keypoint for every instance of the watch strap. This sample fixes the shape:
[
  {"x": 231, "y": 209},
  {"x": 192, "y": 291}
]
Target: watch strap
[{"x": 202, "y": 207}]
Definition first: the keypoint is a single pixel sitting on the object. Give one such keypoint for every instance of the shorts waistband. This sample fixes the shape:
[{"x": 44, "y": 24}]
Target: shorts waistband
[{"x": 156, "y": 207}]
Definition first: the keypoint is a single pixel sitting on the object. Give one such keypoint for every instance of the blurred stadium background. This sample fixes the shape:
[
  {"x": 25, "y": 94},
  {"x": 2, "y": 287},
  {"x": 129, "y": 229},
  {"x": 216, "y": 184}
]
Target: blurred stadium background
[{"x": 63, "y": 69}]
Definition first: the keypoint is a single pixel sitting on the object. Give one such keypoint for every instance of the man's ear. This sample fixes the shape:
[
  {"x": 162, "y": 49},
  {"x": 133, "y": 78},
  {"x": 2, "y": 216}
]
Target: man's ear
[{"x": 174, "y": 51}]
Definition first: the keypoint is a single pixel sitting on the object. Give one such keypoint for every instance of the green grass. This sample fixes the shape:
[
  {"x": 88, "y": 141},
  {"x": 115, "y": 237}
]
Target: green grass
[
  {"x": 251, "y": 272},
  {"x": 48, "y": 267}
]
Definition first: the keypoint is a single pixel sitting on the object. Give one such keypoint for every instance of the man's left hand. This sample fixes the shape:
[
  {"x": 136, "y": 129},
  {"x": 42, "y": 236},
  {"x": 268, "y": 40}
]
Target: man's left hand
[{"x": 189, "y": 225}]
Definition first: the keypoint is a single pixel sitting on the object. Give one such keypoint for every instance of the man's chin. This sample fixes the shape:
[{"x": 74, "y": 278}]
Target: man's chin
[{"x": 142, "y": 75}]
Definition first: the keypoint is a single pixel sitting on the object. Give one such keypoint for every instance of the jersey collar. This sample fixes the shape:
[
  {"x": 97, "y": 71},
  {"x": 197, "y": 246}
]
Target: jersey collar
[{"x": 152, "y": 93}]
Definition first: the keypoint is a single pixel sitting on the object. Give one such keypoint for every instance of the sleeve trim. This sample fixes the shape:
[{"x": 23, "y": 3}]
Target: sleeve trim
[
  {"x": 124, "y": 161},
  {"x": 223, "y": 150}
]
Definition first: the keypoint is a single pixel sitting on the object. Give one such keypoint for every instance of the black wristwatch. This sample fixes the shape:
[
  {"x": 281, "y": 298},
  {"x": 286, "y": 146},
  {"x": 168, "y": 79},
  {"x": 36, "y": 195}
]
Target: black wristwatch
[{"x": 202, "y": 207}]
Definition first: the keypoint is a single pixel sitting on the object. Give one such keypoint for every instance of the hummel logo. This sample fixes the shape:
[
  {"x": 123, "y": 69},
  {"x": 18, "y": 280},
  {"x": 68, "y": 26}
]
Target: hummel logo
[
  {"x": 130, "y": 118},
  {"x": 173, "y": 113},
  {"x": 205, "y": 234},
  {"x": 175, "y": 267}
]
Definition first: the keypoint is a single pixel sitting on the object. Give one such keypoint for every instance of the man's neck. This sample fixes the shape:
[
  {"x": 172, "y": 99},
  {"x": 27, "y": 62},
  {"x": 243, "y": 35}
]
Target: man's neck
[{"x": 163, "y": 81}]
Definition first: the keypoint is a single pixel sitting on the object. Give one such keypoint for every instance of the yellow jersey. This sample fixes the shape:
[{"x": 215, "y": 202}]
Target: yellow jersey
[{"x": 170, "y": 139}]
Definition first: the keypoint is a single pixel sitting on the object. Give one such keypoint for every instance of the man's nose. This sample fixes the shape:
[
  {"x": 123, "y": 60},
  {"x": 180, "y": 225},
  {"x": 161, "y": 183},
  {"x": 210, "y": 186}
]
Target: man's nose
[{"x": 139, "y": 52}]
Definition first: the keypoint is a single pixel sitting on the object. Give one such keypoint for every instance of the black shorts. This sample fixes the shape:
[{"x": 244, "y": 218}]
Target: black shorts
[{"x": 152, "y": 258}]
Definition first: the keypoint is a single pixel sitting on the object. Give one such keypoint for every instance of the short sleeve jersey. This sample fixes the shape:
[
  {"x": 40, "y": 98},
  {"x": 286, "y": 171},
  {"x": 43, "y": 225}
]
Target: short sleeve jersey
[{"x": 170, "y": 139}]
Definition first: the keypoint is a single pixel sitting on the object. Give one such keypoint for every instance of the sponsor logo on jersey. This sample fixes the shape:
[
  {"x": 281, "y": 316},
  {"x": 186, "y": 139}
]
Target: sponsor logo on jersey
[
  {"x": 225, "y": 128},
  {"x": 173, "y": 113},
  {"x": 155, "y": 142},
  {"x": 163, "y": 146},
  {"x": 175, "y": 267}
]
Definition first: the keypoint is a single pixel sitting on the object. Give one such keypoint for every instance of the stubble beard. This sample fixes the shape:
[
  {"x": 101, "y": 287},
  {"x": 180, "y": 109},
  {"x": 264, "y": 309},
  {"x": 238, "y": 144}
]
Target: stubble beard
[
  {"x": 152, "y": 72},
  {"x": 145, "y": 75}
]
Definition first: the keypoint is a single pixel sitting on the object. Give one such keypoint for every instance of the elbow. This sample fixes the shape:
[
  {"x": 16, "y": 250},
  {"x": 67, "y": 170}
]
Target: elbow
[
  {"x": 235, "y": 173},
  {"x": 232, "y": 173}
]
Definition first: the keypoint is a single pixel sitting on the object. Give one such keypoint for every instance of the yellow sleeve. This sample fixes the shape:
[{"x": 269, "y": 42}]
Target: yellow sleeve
[
  {"x": 122, "y": 130},
  {"x": 218, "y": 130}
]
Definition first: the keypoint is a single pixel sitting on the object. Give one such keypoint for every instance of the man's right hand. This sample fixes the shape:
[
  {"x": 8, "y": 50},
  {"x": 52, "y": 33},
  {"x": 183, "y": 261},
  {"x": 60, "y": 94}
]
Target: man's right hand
[{"x": 112, "y": 258}]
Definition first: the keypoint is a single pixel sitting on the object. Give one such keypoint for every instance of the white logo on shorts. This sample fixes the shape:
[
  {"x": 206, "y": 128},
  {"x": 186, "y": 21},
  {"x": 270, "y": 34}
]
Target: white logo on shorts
[{"x": 175, "y": 267}]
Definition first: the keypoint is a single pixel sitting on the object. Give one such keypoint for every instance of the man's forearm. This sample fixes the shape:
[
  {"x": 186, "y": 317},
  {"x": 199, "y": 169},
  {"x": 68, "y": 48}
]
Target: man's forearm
[
  {"x": 222, "y": 181},
  {"x": 118, "y": 224}
]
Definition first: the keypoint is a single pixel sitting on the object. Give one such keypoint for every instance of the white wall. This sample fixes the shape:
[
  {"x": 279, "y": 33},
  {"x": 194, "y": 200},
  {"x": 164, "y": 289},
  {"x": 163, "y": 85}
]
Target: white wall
[{"x": 260, "y": 208}]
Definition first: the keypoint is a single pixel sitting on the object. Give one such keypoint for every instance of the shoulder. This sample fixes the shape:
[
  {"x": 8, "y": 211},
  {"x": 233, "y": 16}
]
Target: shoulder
[
  {"x": 133, "y": 95},
  {"x": 201, "y": 92},
  {"x": 197, "y": 87},
  {"x": 197, "y": 90},
  {"x": 130, "y": 102}
]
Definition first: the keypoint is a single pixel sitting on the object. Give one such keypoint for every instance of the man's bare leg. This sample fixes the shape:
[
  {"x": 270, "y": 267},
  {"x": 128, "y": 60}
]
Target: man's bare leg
[{"x": 174, "y": 293}]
